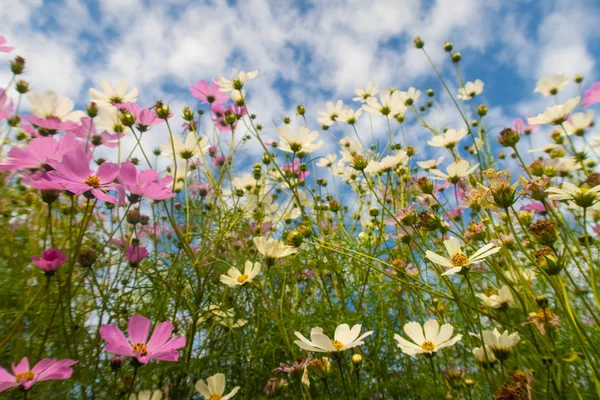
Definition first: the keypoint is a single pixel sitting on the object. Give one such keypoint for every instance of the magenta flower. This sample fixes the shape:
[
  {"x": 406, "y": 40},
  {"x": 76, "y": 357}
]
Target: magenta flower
[
  {"x": 523, "y": 128},
  {"x": 293, "y": 169},
  {"x": 144, "y": 117},
  {"x": 74, "y": 174},
  {"x": 87, "y": 131},
  {"x": 47, "y": 369},
  {"x": 143, "y": 184},
  {"x": 592, "y": 95},
  {"x": 209, "y": 93},
  {"x": 50, "y": 124},
  {"x": 135, "y": 255},
  {"x": 39, "y": 152},
  {"x": 3, "y": 47},
  {"x": 160, "y": 346},
  {"x": 6, "y": 105},
  {"x": 50, "y": 260},
  {"x": 219, "y": 161}
]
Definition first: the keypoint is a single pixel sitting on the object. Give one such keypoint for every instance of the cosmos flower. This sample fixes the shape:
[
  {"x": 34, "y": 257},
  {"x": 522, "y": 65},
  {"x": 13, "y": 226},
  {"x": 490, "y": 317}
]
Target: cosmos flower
[
  {"x": 470, "y": 90},
  {"x": 331, "y": 114},
  {"x": 237, "y": 83},
  {"x": 160, "y": 346},
  {"x": 3, "y": 47},
  {"x": 135, "y": 255},
  {"x": 389, "y": 105},
  {"x": 428, "y": 339},
  {"x": 555, "y": 115},
  {"x": 235, "y": 278},
  {"x": 388, "y": 163},
  {"x": 214, "y": 387},
  {"x": 87, "y": 131},
  {"x": 484, "y": 355},
  {"x": 45, "y": 370},
  {"x": 581, "y": 197},
  {"x": 245, "y": 182},
  {"x": 363, "y": 95},
  {"x": 344, "y": 339},
  {"x": 430, "y": 164},
  {"x": 50, "y": 260},
  {"x": 448, "y": 139},
  {"x": 457, "y": 259},
  {"x": 147, "y": 395},
  {"x": 109, "y": 96},
  {"x": 301, "y": 142},
  {"x": 592, "y": 95},
  {"x": 184, "y": 150},
  {"x": 144, "y": 117},
  {"x": 48, "y": 105},
  {"x": 501, "y": 344},
  {"x": 524, "y": 129},
  {"x": 39, "y": 152},
  {"x": 501, "y": 299},
  {"x": 455, "y": 171},
  {"x": 579, "y": 123},
  {"x": 273, "y": 249},
  {"x": 410, "y": 97},
  {"x": 143, "y": 184},
  {"x": 551, "y": 85},
  {"x": 208, "y": 93},
  {"x": 6, "y": 105}
]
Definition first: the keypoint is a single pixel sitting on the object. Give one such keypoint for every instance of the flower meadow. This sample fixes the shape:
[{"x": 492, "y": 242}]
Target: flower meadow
[{"x": 194, "y": 269}]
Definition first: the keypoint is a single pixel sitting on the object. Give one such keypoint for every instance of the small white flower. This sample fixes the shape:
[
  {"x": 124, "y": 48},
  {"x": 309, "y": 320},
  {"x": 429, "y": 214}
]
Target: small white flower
[
  {"x": 214, "y": 387},
  {"x": 238, "y": 81},
  {"x": 410, "y": 97},
  {"x": 500, "y": 299},
  {"x": 327, "y": 161},
  {"x": 500, "y": 344},
  {"x": 350, "y": 116},
  {"x": 147, "y": 395},
  {"x": 193, "y": 146},
  {"x": 455, "y": 171},
  {"x": 582, "y": 197},
  {"x": 344, "y": 339},
  {"x": 428, "y": 339},
  {"x": 430, "y": 164},
  {"x": 470, "y": 90},
  {"x": 457, "y": 259},
  {"x": 301, "y": 142},
  {"x": 235, "y": 278},
  {"x": 245, "y": 182},
  {"x": 390, "y": 104},
  {"x": 49, "y": 105},
  {"x": 555, "y": 115},
  {"x": 579, "y": 123},
  {"x": 485, "y": 355},
  {"x": 273, "y": 249},
  {"x": 331, "y": 114},
  {"x": 551, "y": 85},
  {"x": 387, "y": 164},
  {"x": 110, "y": 96},
  {"x": 448, "y": 139},
  {"x": 369, "y": 91},
  {"x": 350, "y": 149},
  {"x": 225, "y": 318}
]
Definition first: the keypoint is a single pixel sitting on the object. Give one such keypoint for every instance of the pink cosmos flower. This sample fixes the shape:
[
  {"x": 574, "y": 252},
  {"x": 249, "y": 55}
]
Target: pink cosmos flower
[
  {"x": 87, "y": 131},
  {"x": 219, "y": 161},
  {"x": 50, "y": 124},
  {"x": 45, "y": 370},
  {"x": 209, "y": 93},
  {"x": 39, "y": 152},
  {"x": 160, "y": 346},
  {"x": 523, "y": 128},
  {"x": 144, "y": 117},
  {"x": 135, "y": 255},
  {"x": 75, "y": 175},
  {"x": 3, "y": 47},
  {"x": 50, "y": 260},
  {"x": 6, "y": 105},
  {"x": 294, "y": 170},
  {"x": 592, "y": 95},
  {"x": 143, "y": 184}
]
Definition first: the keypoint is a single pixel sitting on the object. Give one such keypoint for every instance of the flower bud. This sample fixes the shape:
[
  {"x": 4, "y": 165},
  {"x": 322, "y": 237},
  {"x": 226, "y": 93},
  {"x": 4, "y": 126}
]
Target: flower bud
[
  {"x": 418, "y": 42},
  {"x": 448, "y": 46},
  {"x": 542, "y": 301},
  {"x": 17, "y": 65},
  {"x": 300, "y": 109},
  {"x": 87, "y": 257},
  {"x": 508, "y": 138},
  {"x": 295, "y": 239},
  {"x": 548, "y": 261},
  {"x": 356, "y": 359},
  {"x": 482, "y": 110},
  {"x": 22, "y": 86},
  {"x": 578, "y": 78},
  {"x": 187, "y": 114},
  {"x": 430, "y": 93},
  {"x": 92, "y": 110},
  {"x": 162, "y": 110},
  {"x": 456, "y": 57},
  {"x": 544, "y": 232},
  {"x": 49, "y": 196},
  {"x": 359, "y": 163},
  {"x": 334, "y": 206}
]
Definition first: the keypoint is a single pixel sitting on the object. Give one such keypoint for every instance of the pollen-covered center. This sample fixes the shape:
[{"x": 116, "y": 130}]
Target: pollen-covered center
[
  {"x": 24, "y": 376},
  {"x": 337, "y": 344},
  {"x": 242, "y": 278},
  {"x": 428, "y": 345},
  {"x": 215, "y": 397},
  {"x": 141, "y": 349},
  {"x": 93, "y": 181},
  {"x": 459, "y": 260}
]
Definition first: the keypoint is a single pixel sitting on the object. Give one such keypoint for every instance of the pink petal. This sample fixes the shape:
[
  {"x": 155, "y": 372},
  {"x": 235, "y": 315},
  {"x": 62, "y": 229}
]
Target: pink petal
[
  {"x": 138, "y": 329},
  {"x": 128, "y": 174},
  {"x": 21, "y": 367},
  {"x": 107, "y": 172},
  {"x": 117, "y": 342},
  {"x": 160, "y": 336}
]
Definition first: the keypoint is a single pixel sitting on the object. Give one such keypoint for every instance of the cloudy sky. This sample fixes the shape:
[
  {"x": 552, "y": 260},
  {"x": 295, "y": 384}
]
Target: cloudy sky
[{"x": 307, "y": 52}]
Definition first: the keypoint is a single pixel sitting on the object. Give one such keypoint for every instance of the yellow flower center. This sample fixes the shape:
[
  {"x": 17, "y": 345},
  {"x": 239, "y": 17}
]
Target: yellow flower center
[
  {"x": 115, "y": 100},
  {"x": 141, "y": 349},
  {"x": 24, "y": 376},
  {"x": 337, "y": 344},
  {"x": 459, "y": 260},
  {"x": 93, "y": 181},
  {"x": 428, "y": 345},
  {"x": 242, "y": 278},
  {"x": 215, "y": 397}
]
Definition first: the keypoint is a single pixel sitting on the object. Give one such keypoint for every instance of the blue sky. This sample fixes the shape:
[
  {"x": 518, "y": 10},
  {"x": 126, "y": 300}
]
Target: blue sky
[{"x": 307, "y": 52}]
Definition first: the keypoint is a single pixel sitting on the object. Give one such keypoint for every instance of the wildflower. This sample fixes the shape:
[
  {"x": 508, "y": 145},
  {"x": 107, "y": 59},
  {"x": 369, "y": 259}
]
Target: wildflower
[
  {"x": 470, "y": 90},
  {"x": 144, "y": 117},
  {"x": 74, "y": 174},
  {"x": 455, "y": 171},
  {"x": 147, "y": 395},
  {"x": 519, "y": 387},
  {"x": 555, "y": 115},
  {"x": 214, "y": 387},
  {"x": 484, "y": 356},
  {"x": 49, "y": 105},
  {"x": 39, "y": 152},
  {"x": 208, "y": 93},
  {"x": 108, "y": 119},
  {"x": 387, "y": 164},
  {"x": 410, "y": 97},
  {"x": 457, "y": 259},
  {"x": 391, "y": 104},
  {"x": 551, "y": 85},
  {"x": 428, "y": 339},
  {"x": 327, "y": 161},
  {"x": 509, "y": 138},
  {"x": 273, "y": 249},
  {"x": 239, "y": 79},
  {"x": 224, "y": 317},
  {"x": 501, "y": 344},
  {"x": 522, "y": 128},
  {"x": 110, "y": 97},
  {"x": 135, "y": 255},
  {"x": 245, "y": 182},
  {"x": 543, "y": 319},
  {"x": 87, "y": 130},
  {"x": 449, "y": 139},
  {"x": 143, "y": 184},
  {"x": 331, "y": 114},
  {"x": 502, "y": 299},
  {"x": 3, "y": 47},
  {"x": 430, "y": 164},
  {"x": 6, "y": 105},
  {"x": 344, "y": 339},
  {"x": 301, "y": 143},
  {"x": 592, "y": 95},
  {"x": 192, "y": 146},
  {"x": 581, "y": 197},
  {"x": 50, "y": 260},
  {"x": 350, "y": 116},
  {"x": 365, "y": 94},
  {"x": 275, "y": 386},
  {"x": 160, "y": 346},
  {"x": 579, "y": 123},
  {"x": 45, "y": 370},
  {"x": 235, "y": 278}
]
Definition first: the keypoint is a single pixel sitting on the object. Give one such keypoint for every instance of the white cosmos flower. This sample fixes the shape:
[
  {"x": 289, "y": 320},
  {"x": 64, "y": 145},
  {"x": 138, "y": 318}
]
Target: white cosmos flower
[
  {"x": 350, "y": 116},
  {"x": 555, "y": 115},
  {"x": 410, "y": 97},
  {"x": 582, "y": 197},
  {"x": 344, "y": 339},
  {"x": 238, "y": 81},
  {"x": 470, "y": 90},
  {"x": 428, "y": 339},
  {"x": 551, "y": 85},
  {"x": 350, "y": 149},
  {"x": 455, "y": 171},
  {"x": 327, "y": 161},
  {"x": 184, "y": 150},
  {"x": 214, "y": 387},
  {"x": 235, "y": 278},
  {"x": 244, "y": 182},
  {"x": 108, "y": 120},
  {"x": 501, "y": 344},
  {"x": 223, "y": 317},
  {"x": 273, "y": 249},
  {"x": 579, "y": 123},
  {"x": 457, "y": 259},
  {"x": 48, "y": 104},
  {"x": 448, "y": 139},
  {"x": 545, "y": 149},
  {"x": 430, "y": 164},
  {"x": 238, "y": 96},
  {"x": 498, "y": 300},
  {"x": 331, "y": 114},
  {"x": 109, "y": 96},
  {"x": 301, "y": 142},
  {"x": 369, "y": 91},
  {"x": 390, "y": 104},
  {"x": 484, "y": 356},
  {"x": 388, "y": 163},
  {"x": 147, "y": 395}
]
